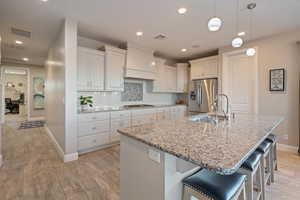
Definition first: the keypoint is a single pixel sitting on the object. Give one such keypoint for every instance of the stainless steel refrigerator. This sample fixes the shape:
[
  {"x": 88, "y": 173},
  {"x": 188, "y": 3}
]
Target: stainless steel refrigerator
[{"x": 203, "y": 95}]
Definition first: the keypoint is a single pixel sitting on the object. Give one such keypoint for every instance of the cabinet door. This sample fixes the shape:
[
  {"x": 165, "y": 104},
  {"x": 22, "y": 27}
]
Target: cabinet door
[
  {"x": 115, "y": 63},
  {"x": 90, "y": 70},
  {"x": 159, "y": 84},
  {"x": 171, "y": 78},
  {"x": 182, "y": 77},
  {"x": 82, "y": 70},
  {"x": 204, "y": 68},
  {"x": 96, "y": 72}
]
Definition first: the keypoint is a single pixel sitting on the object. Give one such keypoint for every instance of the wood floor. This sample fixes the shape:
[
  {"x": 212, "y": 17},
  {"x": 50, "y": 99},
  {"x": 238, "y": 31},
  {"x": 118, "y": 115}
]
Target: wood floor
[{"x": 32, "y": 170}]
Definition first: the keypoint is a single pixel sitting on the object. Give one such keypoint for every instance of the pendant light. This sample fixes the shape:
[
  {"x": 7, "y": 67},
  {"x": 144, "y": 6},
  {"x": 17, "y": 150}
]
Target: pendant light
[
  {"x": 214, "y": 23},
  {"x": 237, "y": 41},
  {"x": 251, "y": 51}
]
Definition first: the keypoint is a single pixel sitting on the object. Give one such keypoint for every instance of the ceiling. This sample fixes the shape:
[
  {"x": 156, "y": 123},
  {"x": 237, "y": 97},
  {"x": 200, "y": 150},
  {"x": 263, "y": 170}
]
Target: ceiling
[{"x": 116, "y": 21}]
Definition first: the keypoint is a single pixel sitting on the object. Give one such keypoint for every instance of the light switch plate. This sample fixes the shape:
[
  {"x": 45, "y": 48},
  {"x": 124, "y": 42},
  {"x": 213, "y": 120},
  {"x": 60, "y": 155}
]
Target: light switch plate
[{"x": 154, "y": 155}]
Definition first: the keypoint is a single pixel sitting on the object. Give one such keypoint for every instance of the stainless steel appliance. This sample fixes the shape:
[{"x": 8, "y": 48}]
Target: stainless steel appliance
[{"x": 203, "y": 95}]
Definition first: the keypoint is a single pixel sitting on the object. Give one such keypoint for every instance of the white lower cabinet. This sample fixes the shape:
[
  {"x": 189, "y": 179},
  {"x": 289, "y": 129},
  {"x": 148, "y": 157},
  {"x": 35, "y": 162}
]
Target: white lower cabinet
[
  {"x": 118, "y": 120},
  {"x": 92, "y": 141},
  {"x": 100, "y": 129}
]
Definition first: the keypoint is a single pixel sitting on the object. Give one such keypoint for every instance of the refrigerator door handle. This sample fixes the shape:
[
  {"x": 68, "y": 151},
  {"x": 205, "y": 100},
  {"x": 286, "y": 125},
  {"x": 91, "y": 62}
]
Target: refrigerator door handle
[{"x": 200, "y": 95}]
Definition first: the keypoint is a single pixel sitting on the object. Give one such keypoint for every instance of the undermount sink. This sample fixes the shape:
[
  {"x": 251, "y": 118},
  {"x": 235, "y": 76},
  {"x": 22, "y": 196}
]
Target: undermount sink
[{"x": 208, "y": 118}]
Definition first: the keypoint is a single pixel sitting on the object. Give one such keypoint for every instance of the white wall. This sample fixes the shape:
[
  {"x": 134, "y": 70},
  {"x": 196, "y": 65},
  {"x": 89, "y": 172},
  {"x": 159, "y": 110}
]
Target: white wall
[
  {"x": 279, "y": 51},
  {"x": 61, "y": 101},
  {"x": 55, "y": 89}
]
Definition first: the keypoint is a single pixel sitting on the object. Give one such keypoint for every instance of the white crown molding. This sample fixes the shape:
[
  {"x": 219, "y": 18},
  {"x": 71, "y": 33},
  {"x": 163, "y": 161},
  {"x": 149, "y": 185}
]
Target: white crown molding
[
  {"x": 65, "y": 157},
  {"x": 288, "y": 148}
]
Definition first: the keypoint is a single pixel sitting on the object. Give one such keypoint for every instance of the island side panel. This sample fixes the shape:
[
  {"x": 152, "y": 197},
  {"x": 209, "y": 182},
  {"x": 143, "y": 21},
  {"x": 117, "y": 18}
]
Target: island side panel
[
  {"x": 176, "y": 170},
  {"x": 140, "y": 177}
]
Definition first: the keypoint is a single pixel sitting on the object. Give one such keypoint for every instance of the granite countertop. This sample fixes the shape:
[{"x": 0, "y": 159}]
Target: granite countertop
[
  {"x": 221, "y": 148},
  {"x": 122, "y": 108}
]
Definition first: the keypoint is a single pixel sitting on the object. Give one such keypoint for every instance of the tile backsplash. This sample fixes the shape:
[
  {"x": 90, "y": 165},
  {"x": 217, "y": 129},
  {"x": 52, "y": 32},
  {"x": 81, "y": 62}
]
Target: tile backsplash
[
  {"x": 145, "y": 94},
  {"x": 132, "y": 92}
]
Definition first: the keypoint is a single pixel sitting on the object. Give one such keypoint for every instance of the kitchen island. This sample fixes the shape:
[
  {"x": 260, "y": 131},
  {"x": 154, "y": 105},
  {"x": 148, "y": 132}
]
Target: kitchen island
[{"x": 155, "y": 157}]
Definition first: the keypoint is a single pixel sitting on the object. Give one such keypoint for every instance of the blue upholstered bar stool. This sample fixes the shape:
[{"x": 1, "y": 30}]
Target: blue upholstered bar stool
[
  {"x": 273, "y": 139},
  {"x": 207, "y": 185},
  {"x": 266, "y": 164},
  {"x": 253, "y": 169}
]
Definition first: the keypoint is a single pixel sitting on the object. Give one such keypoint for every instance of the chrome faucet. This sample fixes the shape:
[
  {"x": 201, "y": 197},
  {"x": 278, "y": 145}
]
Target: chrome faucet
[{"x": 226, "y": 114}]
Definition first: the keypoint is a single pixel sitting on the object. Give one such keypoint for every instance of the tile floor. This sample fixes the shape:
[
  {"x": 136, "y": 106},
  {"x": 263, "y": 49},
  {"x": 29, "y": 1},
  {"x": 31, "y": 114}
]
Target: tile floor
[{"x": 32, "y": 170}]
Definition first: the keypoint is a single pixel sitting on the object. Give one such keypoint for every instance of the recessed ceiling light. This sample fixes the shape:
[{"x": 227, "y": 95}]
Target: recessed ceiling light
[
  {"x": 26, "y": 59},
  {"x": 182, "y": 10},
  {"x": 139, "y": 33},
  {"x": 183, "y": 50},
  {"x": 19, "y": 42},
  {"x": 44, "y": 0},
  {"x": 241, "y": 33}
]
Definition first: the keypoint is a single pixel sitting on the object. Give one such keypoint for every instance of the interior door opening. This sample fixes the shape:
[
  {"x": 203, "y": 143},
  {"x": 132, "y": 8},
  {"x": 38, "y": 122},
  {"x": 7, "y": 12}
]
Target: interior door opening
[{"x": 15, "y": 94}]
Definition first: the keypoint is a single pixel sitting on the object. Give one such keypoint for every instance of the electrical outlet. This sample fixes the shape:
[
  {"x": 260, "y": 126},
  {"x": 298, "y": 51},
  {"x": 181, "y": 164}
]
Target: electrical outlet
[{"x": 154, "y": 155}]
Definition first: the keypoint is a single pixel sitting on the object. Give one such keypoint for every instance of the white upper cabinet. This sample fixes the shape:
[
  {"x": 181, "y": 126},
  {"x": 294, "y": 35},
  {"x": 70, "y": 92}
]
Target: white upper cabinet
[
  {"x": 114, "y": 69},
  {"x": 204, "y": 68},
  {"x": 139, "y": 63},
  {"x": 182, "y": 77},
  {"x": 170, "y": 79},
  {"x": 166, "y": 77},
  {"x": 90, "y": 70}
]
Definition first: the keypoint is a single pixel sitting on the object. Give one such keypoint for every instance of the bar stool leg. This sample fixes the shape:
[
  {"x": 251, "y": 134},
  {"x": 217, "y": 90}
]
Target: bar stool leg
[
  {"x": 259, "y": 181},
  {"x": 275, "y": 155},
  {"x": 272, "y": 158},
  {"x": 269, "y": 167},
  {"x": 262, "y": 171}
]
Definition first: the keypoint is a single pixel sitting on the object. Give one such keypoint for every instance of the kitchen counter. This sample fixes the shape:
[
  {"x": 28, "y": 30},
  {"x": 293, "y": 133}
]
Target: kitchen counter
[
  {"x": 221, "y": 148},
  {"x": 122, "y": 108}
]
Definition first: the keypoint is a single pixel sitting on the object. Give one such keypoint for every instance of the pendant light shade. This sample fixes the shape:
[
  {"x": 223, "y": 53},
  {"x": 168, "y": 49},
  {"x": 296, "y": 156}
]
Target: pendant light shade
[
  {"x": 237, "y": 42},
  {"x": 250, "y": 52},
  {"x": 214, "y": 24}
]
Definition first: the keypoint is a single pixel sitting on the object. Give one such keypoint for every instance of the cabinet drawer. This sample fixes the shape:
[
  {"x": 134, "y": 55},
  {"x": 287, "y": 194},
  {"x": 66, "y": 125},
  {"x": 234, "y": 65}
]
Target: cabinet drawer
[
  {"x": 91, "y": 141},
  {"x": 143, "y": 119},
  {"x": 87, "y": 117},
  {"x": 89, "y": 128},
  {"x": 120, "y": 114},
  {"x": 117, "y": 124}
]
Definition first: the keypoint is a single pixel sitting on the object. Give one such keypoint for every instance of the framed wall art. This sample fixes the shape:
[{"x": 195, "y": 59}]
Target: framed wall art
[{"x": 277, "y": 80}]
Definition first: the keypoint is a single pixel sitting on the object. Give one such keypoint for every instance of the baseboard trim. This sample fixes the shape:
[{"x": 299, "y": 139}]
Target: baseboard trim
[
  {"x": 288, "y": 148},
  {"x": 65, "y": 157},
  {"x": 36, "y": 119},
  {"x": 1, "y": 160}
]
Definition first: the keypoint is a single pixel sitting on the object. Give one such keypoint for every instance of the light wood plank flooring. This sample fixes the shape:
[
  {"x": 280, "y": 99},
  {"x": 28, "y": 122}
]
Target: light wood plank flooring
[{"x": 32, "y": 170}]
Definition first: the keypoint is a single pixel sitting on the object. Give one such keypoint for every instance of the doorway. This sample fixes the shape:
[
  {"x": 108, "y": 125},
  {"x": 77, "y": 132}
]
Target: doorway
[
  {"x": 16, "y": 94},
  {"x": 240, "y": 81}
]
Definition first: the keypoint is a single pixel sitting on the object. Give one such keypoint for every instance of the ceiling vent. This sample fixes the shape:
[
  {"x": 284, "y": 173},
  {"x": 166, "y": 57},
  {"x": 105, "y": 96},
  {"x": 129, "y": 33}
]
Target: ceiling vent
[
  {"x": 160, "y": 37},
  {"x": 21, "y": 32}
]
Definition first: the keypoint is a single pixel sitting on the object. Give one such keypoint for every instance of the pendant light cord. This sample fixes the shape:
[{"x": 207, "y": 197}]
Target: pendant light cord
[
  {"x": 237, "y": 15},
  {"x": 215, "y": 8}
]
